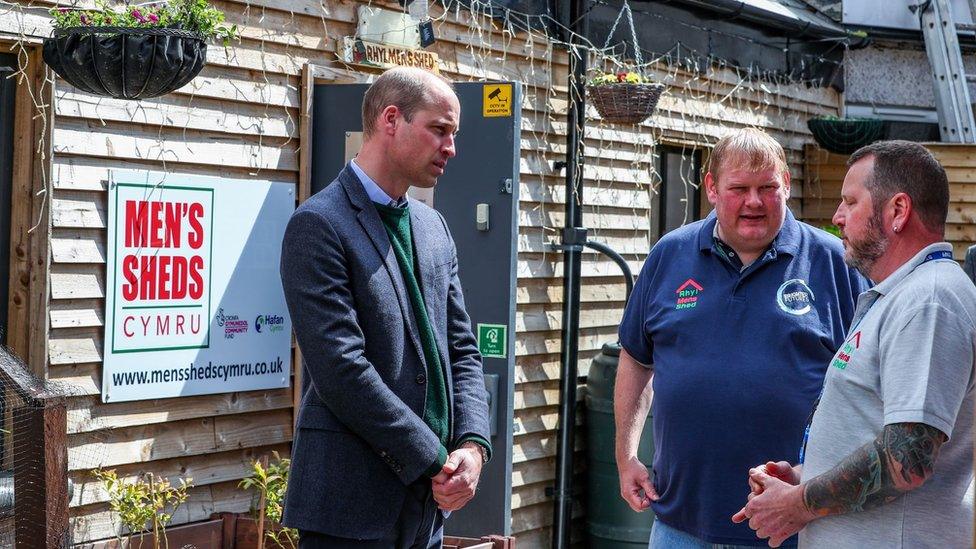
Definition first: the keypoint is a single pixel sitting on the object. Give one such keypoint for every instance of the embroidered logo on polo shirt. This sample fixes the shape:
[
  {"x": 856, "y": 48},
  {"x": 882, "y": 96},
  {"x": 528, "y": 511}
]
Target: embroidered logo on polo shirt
[
  {"x": 844, "y": 355},
  {"x": 795, "y": 297},
  {"x": 688, "y": 294}
]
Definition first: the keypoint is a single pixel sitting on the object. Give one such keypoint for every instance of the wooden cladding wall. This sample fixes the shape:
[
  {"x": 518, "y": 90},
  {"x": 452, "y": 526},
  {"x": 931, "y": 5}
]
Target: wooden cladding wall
[
  {"x": 240, "y": 118},
  {"x": 825, "y": 174}
]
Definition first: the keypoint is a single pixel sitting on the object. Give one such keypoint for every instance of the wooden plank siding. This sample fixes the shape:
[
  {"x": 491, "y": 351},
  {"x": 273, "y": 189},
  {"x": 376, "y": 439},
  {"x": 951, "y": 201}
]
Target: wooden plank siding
[
  {"x": 826, "y": 174},
  {"x": 241, "y": 118}
]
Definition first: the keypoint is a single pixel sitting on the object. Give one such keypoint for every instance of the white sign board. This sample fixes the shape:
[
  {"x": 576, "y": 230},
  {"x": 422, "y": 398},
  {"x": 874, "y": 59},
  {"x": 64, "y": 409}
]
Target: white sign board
[
  {"x": 193, "y": 302},
  {"x": 388, "y": 27}
]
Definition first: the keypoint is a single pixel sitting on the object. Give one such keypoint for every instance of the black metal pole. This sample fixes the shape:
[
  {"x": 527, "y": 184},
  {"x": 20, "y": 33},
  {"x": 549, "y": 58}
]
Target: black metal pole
[{"x": 573, "y": 238}]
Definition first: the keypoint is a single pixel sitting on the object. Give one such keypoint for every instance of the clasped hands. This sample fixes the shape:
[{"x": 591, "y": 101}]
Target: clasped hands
[
  {"x": 457, "y": 481},
  {"x": 775, "y": 507}
]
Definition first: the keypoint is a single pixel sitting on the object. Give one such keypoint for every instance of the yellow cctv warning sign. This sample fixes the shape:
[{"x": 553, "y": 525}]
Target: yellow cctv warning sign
[{"x": 498, "y": 100}]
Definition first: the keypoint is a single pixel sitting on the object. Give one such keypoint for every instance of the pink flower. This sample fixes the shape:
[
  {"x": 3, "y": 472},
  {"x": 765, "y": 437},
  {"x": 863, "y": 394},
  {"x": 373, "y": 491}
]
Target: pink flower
[
  {"x": 138, "y": 16},
  {"x": 154, "y": 18},
  {"x": 84, "y": 19},
  {"x": 63, "y": 10}
]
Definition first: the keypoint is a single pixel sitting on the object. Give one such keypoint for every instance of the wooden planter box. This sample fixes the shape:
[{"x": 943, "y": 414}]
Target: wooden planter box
[
  {"x": 486, "y": 542},
  {"x": 201, "y": 535},
  {"x": 240, "y": 531}
]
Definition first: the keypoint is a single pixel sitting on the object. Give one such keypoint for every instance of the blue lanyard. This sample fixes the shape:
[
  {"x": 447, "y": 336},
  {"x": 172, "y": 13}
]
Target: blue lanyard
[{"x": 941, "y": 254}]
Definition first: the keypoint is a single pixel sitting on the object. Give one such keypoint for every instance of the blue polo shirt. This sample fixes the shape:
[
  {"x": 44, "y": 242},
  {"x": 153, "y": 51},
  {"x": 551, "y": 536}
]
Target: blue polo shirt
[{"x": 739, "y": 357}]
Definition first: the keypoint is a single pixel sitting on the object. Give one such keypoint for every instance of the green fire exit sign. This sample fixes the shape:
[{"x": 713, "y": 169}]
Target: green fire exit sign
[{"x": 493, "y": 340}]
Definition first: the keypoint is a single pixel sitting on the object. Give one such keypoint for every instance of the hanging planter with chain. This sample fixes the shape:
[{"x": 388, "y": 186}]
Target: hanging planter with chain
[
  {"x": 845, "y": 135},
  {"x": 624, "y": 97},
  {"x": 139, "y": 52},
  {"x": 623, "y": 102}
]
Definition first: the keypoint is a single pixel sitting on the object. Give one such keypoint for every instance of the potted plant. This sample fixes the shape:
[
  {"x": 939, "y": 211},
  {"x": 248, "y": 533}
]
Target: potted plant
[
  {"x": 145, "y": 505},
  {"x": 624, "y": 97},
  {"x": 269, "y": 480},
  {"x": 845, "y": 135},
  {"x": 133, "y": 52}
]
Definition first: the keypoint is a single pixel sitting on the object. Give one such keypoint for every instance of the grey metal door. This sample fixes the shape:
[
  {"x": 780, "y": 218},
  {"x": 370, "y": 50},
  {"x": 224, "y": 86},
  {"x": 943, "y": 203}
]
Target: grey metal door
[{"x": 481, "y": 181}]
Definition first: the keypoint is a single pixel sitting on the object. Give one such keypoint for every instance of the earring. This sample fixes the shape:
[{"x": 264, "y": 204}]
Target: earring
[{"x": 895, "y": 228}]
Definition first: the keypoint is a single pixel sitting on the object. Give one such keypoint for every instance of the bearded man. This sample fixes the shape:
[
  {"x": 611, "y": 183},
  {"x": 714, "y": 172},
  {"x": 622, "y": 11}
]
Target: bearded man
[{"x": 889, "y": 458}]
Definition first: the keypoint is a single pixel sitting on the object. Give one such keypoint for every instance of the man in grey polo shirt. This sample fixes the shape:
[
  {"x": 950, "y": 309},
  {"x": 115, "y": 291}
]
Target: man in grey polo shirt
[{"x": 889, "y": 459}]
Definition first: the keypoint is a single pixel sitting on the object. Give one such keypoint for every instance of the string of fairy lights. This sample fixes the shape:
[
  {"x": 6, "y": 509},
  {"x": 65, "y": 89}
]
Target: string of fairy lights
[
  {"x": 480, "y": 40},
  {"x": 752, "y": 97},
  {"x": 706, "y": 95}
]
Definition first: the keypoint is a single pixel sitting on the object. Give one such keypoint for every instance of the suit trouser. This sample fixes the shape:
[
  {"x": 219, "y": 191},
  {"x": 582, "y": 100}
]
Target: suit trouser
[{"x": 420, "y": 525}]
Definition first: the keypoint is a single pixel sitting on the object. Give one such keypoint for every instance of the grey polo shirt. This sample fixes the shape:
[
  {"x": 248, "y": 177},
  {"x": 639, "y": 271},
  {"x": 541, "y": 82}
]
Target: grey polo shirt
[{"x": 909, "y": 357}]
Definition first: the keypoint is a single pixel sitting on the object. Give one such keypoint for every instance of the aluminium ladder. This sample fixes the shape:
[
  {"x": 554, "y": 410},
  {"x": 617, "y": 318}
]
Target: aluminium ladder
[{"x": 940, "y": 33}]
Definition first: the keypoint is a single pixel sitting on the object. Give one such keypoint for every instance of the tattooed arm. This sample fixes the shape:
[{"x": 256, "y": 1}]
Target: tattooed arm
[{"x": 901, "y": 459}]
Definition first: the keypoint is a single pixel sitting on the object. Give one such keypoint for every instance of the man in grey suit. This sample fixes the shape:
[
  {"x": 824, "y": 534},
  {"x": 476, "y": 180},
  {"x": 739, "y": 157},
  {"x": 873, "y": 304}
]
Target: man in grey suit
[
  {"x": 969, "y": 265},
  {"x": 393, "y": 425}
]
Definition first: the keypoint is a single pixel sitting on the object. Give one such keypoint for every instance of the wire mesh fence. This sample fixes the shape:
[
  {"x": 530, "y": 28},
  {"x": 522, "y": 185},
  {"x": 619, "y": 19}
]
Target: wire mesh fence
[{"x": 33, "y": 460}]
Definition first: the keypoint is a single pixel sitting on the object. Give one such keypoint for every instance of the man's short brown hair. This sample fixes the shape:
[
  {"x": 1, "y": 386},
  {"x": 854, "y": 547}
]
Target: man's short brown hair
[
  {"x": 748, "y": 148},
  {"x": 406, "y": 88},
  {"x": 907, "y": 167}
]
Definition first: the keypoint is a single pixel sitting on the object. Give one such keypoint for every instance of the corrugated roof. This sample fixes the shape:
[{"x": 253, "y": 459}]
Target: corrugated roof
[{"x": 813, "y": 11}]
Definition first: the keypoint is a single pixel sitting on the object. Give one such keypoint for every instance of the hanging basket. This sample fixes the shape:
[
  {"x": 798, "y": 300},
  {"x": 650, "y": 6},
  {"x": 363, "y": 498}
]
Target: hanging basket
[
  {"x": 125, "y": 62},
  {"x": 844, "y": 136},
  {"x": 625, "y": 103}
]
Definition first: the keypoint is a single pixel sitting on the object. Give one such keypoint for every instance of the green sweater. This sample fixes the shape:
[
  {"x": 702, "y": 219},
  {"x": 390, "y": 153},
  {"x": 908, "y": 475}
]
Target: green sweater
[
  {"x": 436, "y": 415},
  {"x": 397, "y": 223}
]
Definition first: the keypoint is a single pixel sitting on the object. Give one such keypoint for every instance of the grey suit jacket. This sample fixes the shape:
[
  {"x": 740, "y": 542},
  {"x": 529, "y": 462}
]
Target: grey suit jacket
[
  {"x": 970, "y": 264},
  {"x": 361, "y": 437}
]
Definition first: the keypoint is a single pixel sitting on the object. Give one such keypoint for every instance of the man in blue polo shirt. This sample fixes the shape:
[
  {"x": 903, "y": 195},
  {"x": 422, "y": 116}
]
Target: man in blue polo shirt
[{"x": 727, "y": 335}]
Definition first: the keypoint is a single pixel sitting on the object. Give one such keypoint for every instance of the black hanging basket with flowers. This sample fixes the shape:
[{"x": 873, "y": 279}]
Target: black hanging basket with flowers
[
  {"x": 126, "y": 62},
  {"x": 133, "y": 52},
  {"x": 625, "y": 103},
  {"x": 845, "y": 135}
]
